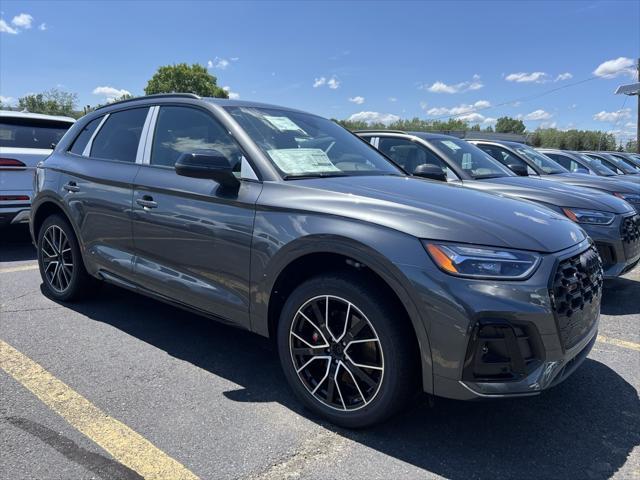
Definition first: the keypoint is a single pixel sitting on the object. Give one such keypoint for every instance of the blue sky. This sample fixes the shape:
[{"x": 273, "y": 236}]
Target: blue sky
[{"x": 370, "y": 60}]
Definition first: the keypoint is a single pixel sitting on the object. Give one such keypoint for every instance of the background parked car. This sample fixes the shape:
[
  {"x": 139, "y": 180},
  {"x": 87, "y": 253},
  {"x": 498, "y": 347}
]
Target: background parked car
[
  {"x": 534, "y": 164},
  {"x": 605, "y": 218},
  {"x": 25, "y": 139},
  {"x": 622, "y": 165},
  {"x": 630, "y": 157}
]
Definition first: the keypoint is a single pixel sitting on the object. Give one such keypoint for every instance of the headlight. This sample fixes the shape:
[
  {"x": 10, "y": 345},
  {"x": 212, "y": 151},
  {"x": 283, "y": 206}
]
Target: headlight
[
  {"x": 482, "y": 262},
  {"x": 590, "y": 217},
  {"x": 629, "y": 197}
]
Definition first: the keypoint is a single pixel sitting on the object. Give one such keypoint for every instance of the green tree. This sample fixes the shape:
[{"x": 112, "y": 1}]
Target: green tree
[
  {"x": 510, "y": 125},
  {"x": 182, "y": 78},
  {"x": 51, "y": 102}
]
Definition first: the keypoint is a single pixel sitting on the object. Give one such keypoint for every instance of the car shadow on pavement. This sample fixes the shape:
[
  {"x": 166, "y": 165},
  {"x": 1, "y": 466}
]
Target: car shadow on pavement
[
  {"x": 621, "y": 297},
  {"x": 585, "y": 428},
  {"x": 15, "y": 244}
]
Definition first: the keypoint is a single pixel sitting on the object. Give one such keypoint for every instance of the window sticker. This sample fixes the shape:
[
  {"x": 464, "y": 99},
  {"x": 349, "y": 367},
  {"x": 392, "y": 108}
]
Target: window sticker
[
  {"x": 451, "y": 145},
  {"x": 283, "y": 123},
  {"x": 302, "y": 160}
]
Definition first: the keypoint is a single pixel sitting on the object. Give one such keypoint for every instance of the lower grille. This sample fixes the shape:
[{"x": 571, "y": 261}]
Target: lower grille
[{"x": 576, "y": 285}]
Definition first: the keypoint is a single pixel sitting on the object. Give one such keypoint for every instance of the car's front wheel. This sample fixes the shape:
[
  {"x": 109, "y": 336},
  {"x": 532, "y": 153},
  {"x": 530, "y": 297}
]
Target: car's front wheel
[
  {"x": 346, "y": 351},
  {"x": 61, "y": 267}
]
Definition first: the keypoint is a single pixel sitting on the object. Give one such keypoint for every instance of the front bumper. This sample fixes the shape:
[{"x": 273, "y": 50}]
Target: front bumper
[
  {"x": 618, "y": 244},
  {"x": 551, "y": 320}
]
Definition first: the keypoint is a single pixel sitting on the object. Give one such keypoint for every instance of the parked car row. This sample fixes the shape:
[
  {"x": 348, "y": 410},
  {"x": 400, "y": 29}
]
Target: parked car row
[{"x": 380, "y": 264}]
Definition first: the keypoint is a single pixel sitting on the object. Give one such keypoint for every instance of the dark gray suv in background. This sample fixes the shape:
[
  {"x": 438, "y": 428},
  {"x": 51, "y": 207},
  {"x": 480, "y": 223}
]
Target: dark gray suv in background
[
  {"x": 610, "y": 222},
  {"x": 372, "y": 284}
]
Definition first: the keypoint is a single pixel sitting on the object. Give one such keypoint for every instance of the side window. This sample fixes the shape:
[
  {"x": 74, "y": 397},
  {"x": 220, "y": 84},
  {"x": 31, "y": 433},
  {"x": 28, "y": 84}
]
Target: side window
[
  {"x": 505, "y": 158},
  {"x": 83, "y": 137},
  {"x": 119, "y": 136},
  {"x": 566, "y": 162},
  {"x": 407, "y": 154},
  {"x": 182, "y": 129}
]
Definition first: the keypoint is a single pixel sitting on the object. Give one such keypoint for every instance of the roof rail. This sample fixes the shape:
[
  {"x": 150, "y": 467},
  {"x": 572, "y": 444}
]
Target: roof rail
[
  {"x": 155, "y": 95},
  {"x": 375, "y": 130}
]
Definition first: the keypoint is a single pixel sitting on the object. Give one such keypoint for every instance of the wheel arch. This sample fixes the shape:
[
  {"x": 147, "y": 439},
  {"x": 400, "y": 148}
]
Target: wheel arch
[{"x": 317, "y": 254}]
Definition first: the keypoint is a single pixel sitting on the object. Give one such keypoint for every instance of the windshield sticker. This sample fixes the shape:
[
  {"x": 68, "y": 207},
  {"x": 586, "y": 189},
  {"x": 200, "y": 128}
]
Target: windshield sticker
[
  {"x": 451, "y": 145},
  {"x": 283, "y": 123},
  {"x": 302, "y": 160}
]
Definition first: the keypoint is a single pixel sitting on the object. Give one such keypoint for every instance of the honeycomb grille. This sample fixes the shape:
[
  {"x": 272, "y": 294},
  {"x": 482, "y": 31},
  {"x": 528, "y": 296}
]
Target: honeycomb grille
[
  {"x": 631, "y": 229},
  {"x": 577, "y": 283}
]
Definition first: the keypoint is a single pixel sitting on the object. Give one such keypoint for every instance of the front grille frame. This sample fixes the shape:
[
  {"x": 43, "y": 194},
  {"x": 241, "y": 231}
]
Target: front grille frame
[
  {"x": 630, "y": 232},
  {"x": 576, "y": 282}
]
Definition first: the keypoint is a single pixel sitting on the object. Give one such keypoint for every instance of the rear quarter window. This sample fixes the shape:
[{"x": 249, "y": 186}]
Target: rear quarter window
[
  {"x": 31, "y": 132},
  {"x": 80, "y": 143},
  {"x": 119, "y": 136}
]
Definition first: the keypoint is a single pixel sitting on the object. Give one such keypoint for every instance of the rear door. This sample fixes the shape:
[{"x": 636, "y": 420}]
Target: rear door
[
  {"x": 192, "y": 236},
  {"x": 97, "y": 186}
]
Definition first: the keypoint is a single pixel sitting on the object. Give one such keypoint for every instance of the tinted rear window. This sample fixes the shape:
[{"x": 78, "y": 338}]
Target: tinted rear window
[
  {"x": 119, "y": 136},
  {"x": 31, "y": 132}
]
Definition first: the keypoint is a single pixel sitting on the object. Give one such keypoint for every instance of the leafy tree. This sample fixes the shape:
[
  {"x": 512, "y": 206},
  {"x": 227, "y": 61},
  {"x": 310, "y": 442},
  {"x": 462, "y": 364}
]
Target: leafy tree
[
  {"x": 572, "y": 139},
  {"x": 631, "y": 146},
  {"x": 182, "y": 78},
  {"x": 51, "y": 102},
  {"x": 510, "y": 125}
]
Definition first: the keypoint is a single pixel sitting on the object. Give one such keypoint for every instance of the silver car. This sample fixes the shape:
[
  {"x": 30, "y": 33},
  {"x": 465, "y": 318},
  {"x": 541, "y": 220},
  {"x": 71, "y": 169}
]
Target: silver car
[{"x": 25, "y": 140}]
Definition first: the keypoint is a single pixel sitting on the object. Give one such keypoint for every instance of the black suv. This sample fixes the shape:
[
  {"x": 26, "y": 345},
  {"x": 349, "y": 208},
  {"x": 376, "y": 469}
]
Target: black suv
[
  {"x": 372, "y": 284},
  {"x": 609, "y": 221}
]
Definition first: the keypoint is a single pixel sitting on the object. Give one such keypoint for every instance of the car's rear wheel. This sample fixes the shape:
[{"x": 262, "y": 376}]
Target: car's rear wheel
[
  {"x": 346, "y": 351},
  {"x": 61, "y": 267}
]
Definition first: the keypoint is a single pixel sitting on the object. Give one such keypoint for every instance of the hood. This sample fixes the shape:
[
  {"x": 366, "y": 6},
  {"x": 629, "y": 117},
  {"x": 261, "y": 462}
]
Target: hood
[
  {"x": 429, "y": 210},
  {"x": 619, "y": 183},
  {"x": 557, "y": 194}
]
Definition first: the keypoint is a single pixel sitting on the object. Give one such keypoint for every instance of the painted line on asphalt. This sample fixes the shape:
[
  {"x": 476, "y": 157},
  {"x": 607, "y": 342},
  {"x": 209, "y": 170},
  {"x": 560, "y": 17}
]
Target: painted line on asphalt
[
  {"x": 619, "y": 343},
  {"x": 20, "y": 268},
  {"x": 125, "y": 445}
]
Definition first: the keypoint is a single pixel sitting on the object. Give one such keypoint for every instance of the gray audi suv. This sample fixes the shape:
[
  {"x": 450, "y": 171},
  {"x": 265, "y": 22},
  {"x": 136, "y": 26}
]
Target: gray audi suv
[
  {"x": 527, "y": 161},
  {"x": 372, "y": 284},
  {"x": 611, "y": 222}
]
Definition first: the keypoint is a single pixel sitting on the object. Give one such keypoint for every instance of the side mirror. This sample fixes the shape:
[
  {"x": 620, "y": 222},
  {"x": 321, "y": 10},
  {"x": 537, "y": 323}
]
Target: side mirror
[
  {"x": 210, "y": 164},
  {"x": 519, "y": 169},
  {"x": 428, "y": 170}
]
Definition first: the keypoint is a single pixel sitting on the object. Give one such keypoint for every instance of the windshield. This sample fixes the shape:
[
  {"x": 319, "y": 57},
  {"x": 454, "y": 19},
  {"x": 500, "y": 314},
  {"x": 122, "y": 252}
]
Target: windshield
[
  {"x": 475, "y": 163},
  {"x": 31, "y": 133},
  {"x": 302, "y": 145},
  {"x": 547, "y": 165},
  {"x": 599, "y": 163},
  {"x": 621, "y": 166},
  {"x": 629, "y": 166}
]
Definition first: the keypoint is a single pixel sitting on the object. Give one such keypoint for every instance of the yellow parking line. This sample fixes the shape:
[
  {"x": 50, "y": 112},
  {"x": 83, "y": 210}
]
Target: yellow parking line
[
  {"x": 126, "y": 446},
  {"x": 21, "y": 268},
  {"x": 619, "y": 343}
]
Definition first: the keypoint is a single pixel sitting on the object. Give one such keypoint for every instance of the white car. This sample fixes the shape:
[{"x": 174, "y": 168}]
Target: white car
[{"x": 25, "y": 140}]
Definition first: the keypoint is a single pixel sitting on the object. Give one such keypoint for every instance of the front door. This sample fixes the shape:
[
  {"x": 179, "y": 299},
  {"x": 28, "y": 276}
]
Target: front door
[{"x": 193, "y": 236}]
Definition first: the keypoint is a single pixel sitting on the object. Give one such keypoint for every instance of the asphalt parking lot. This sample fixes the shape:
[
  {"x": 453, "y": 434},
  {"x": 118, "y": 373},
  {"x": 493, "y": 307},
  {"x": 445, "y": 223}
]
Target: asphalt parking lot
[{"x": 203, "y": 400}]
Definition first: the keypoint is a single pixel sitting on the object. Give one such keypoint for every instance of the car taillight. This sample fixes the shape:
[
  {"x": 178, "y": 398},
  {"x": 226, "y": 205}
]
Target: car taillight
[
  {"x": 5, "y": 198},
  {"x": 10, "y": 163}
]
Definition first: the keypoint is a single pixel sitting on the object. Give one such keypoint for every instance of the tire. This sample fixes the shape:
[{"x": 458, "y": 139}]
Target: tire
[
  {"x": 389, "y": 363},
  {"x": 62, "y": 269}
]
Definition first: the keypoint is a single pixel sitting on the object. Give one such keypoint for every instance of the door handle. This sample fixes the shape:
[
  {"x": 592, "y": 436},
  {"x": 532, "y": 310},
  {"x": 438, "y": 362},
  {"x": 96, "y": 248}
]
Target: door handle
[
  {"x": 71, "y": 187},
  {"x": 147, "y": 202}
]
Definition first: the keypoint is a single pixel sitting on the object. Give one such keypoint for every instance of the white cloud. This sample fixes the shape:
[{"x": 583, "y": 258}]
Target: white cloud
[
  {"x": 523, "y": 77},
  {"x": 613, "y": 116},
  {"x": 110, "y": 93},
  {"x": 461, "y": 109},
  {"x": 6, "y": 100},
  {"x": 232, "y": 95},
  {"x": 538, "y": 115},
  {"x": 490, "y": 121},
  {"x": 6, "y": 28},
  {"x": 374, "y": 117},
  {"x": 615, "y": 67},
  {"x": 333, "y": 82},
  {"x": 218, "y": 63},
  {"x": 392, "y": 99},
  {"x": 22, "y": 21},
  {"x": 358, "y": 100},
  {"x": 42, "y": 27},
  {"x": 441, "y": 87},
  {"x": 472, "y": 117},
  {"x": 548, "y": 125},
  {"x": 564, "y": 76}
]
